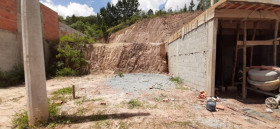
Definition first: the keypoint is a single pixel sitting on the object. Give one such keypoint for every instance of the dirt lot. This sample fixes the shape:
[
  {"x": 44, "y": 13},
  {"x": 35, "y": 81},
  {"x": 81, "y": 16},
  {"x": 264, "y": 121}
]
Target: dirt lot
[{"x": 101, "y": 106}]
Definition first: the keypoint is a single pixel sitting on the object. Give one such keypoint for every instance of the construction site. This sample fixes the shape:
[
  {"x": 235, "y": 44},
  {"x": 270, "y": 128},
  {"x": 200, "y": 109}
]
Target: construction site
[{"x": 213, "y": 68}]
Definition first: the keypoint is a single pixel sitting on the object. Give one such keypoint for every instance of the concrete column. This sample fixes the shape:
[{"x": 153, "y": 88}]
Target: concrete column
[{"x": 34, "y": 66}]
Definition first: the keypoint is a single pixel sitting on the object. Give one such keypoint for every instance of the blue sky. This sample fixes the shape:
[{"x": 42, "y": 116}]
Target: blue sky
[
  {"x": 91, "y": 7},
  {"x": 96, "y": 4}
]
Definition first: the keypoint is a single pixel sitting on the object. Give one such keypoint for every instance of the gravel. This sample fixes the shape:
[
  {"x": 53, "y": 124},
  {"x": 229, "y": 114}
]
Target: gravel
[{"x": 134, "y": 83}]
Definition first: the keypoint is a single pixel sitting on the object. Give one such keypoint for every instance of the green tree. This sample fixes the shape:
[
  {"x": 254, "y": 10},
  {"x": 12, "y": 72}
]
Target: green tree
[
  {"x": 150, "y": 12},
  {"x": 185, "y": 9},
  {"x": 191, "y": 6},
  {"x": 203, "y": 5}
]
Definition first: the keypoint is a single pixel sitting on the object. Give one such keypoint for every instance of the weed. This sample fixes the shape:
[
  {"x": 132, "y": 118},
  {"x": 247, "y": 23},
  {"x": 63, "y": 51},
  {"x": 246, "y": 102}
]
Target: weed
[
  {"x": 163, "y": 95},
  {"x": 66, "y": 72},
  {"x": 12, "y": 77},
  {"x": 98, "y": 99},
  {"x": 120, "y": 74},
  {"x": 156, "y": 99},
  {"x": 134, "y": 103},
  {"x": 20, "y": 121},
  {"x": 123, "y": 125},
  {"x": 16, "y": 99},
  {"x": 177, "y": 80},
  {"x": 181, "y": 87},
  {"x": 82, "y": 110},
  {"x": 63, "y": 91}
]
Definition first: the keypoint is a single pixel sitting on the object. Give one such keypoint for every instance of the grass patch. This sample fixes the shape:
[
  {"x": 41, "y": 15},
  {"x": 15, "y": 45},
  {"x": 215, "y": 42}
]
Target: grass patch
[
  {"x": 176, "y": 80},
  {"x": 0, "y": 100},
  {"x": 123, "y": 125},
  {"x": 20, "y": 121},
  {"x": 81, "y": 110},
  {"x": 63, "y": 91},
  {"x": 120, "y": 74},
  {"x": 134, "y": 103}
]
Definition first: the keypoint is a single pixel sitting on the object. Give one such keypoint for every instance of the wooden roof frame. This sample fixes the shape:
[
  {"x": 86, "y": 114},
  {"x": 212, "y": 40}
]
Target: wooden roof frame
[{"x": 251, "y": 9}]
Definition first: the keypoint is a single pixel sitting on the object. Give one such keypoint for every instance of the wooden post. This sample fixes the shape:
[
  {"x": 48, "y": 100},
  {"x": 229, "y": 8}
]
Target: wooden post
[
  {"x": 73, "y": 91},
  {"x": 275, "y": 41},
  {"x": 34, "y": 66},
  {"x": 252, "y": 48},
  {"x": 235, "y": 55},
  {"x": 244, "y": 90}
]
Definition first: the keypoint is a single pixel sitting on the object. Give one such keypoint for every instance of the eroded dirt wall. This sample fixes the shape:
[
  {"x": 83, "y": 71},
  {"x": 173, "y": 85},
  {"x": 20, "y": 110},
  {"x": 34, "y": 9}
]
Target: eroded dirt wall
[{"x": 126, "y": 58}]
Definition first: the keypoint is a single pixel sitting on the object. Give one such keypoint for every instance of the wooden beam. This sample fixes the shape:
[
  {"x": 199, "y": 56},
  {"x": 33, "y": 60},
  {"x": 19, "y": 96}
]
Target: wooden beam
[
  {"x": 244, "y": 90},
  {"x": 252, "y": 48},
  {"x": 275, "y": 43},
  {"x": 256, "y": 43},
  {"x": 235, "y": 55},
  {"x": 233, "y": 13}
]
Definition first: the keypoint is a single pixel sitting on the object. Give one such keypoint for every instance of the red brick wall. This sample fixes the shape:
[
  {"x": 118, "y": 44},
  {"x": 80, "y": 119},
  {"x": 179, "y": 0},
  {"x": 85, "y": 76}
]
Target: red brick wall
[
  {"x": 8, "y": 15},
  {"x": 50, "y": 23}
]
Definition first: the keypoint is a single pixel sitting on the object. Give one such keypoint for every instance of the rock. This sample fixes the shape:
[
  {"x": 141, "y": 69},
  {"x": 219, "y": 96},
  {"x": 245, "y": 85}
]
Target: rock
[
  {"x": 221, "y": 107},
  {"x": 103, "y": 103},
  {"x": 269, "y": 110},
  {"x": 165, "y": 100},
  {"x": 58, "y": 102}
]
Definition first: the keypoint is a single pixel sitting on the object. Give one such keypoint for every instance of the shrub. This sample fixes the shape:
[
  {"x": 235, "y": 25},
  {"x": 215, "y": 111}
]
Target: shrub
[
  {"x": 134, "y": 103},
  {"x": 177, "y": 80},
  {"x": 12, "y": 77},
  {"x": 70, "y": 59}
]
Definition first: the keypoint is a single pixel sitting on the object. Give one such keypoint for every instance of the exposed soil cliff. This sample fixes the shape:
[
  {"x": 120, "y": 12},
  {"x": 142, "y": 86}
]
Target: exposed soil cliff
[
  {"x": 138, "y": 48},
  {"x": 127, "y": 58},
  {"x": 153, "y": 30}
]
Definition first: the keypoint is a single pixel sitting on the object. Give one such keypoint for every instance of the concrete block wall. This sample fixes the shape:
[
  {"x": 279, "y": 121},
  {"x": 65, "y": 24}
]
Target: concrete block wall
[
  {"x": 67, "y": 30},
  {"x": 192, "y": 57},
  {"x": 10, "y": 31},
  {"x": 188, "y": 57}
]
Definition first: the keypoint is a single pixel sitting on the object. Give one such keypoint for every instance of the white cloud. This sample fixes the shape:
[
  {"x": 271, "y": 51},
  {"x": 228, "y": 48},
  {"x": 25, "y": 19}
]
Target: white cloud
[
  {"x": 145, "y": 5},
  {"x": 178, "y": 4},
  {"x": 71, "y": 9}
]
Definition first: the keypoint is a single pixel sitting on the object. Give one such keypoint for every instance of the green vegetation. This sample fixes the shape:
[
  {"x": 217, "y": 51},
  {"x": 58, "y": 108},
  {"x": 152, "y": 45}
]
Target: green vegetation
[
  {"x": 70, "y": 59},
  {"x": 63, "y": 91},
  {"x": 134, "y": 103},
  {"x": 20, "y": 121},
  {"x": 177, "y": 80},
  {"x": 120, "y": 74},
  {"x": 123, "y": 125},
  {"x": 12, "y": 77}
]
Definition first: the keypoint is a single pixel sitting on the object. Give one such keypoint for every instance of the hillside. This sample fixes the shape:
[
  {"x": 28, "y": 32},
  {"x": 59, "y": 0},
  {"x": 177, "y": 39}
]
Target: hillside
[{"x": 153, "y": 30}]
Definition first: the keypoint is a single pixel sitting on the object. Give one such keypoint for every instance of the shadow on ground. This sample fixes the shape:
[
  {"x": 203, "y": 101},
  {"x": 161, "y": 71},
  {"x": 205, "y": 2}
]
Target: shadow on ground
[{"x": 101, "y": 117}]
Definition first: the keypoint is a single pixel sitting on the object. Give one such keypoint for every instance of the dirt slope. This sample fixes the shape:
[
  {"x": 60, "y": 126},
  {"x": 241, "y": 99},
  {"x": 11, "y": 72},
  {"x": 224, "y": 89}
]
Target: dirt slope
[
  {"x": 153, "y": 30},
  {"x": 126, "y": 57}
]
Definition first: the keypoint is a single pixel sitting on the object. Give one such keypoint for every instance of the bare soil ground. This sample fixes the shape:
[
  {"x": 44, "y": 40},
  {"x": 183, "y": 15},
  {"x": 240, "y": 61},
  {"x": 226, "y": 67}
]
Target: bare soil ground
[
  {"x": 153, "y": 30},
  {"x": 183, "y": 110}
]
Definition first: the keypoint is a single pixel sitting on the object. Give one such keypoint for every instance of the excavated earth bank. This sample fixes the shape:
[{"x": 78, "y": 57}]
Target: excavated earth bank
[
  {"x": 126, "y": 57},
  {"x": 138, "y": 48}
]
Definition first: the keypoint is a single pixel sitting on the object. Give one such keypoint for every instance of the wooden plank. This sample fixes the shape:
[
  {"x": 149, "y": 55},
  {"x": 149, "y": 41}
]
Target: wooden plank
[
  {"x": 211, "y": 56},
  {"x": 235, "y": 55},
  {"x": 252, "y": 48},
  {"x": 268, "y": 15},
  {"x": 275, "y": 42},
  {"x": 255, "y": 43},
  {"x": 244, "y": 90},
  {"x": 262, "y": 92}
]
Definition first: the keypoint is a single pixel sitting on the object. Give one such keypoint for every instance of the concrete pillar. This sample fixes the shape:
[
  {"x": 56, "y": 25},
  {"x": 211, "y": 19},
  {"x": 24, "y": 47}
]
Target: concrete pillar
[{"x": 34, "y": 66}]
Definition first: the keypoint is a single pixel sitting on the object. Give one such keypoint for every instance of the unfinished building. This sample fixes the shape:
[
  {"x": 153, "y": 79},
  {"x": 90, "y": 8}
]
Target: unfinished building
[{"x": 230, "y": 35}]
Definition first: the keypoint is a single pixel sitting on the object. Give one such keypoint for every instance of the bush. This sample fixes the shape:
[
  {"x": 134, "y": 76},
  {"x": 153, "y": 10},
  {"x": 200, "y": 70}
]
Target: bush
[
  {"x": 12, "y": 77},
  {"x": 70, "y": 59},
  {"x": 177, "y": 80}
]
